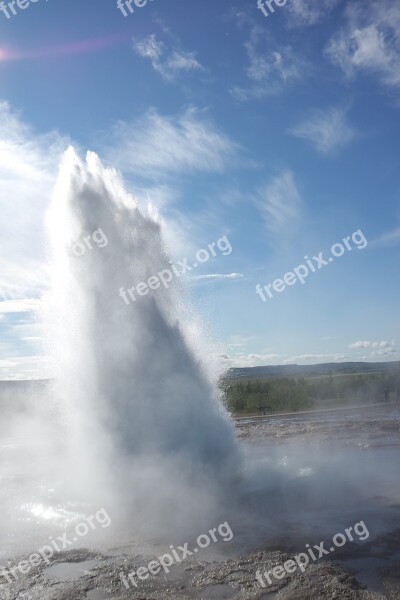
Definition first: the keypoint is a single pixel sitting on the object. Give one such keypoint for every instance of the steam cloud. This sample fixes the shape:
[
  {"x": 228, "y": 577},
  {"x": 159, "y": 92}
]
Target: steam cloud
[{"x": 146, "y": 426}]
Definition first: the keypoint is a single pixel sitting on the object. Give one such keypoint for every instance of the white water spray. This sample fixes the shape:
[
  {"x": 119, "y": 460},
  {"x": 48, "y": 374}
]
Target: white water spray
[{"x": 146, "y": 420}]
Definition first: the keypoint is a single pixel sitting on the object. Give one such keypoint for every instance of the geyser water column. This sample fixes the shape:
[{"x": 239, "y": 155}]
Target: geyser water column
[{"x": 145, "y": 413}]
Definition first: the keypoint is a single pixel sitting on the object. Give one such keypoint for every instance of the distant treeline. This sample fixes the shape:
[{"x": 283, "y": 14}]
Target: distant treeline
[
  {"x": 296, "y": 394},
  {"x": 280, "y": 394}
]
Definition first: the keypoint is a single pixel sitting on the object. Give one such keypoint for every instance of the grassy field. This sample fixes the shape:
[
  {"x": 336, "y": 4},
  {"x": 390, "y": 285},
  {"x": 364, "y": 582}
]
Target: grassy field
[{"x": 290, "y": 394}]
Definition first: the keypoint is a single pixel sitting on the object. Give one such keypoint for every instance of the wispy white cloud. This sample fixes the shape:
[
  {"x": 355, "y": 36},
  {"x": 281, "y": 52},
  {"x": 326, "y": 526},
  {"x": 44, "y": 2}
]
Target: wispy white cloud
[
  {"x": 158, "y": 145},
  {"x": 302, "y": 359},
  {"x": 379, "y": 351},
  {"x": 384, "y": 352},
  {"x": 369, "y": 42},
  {"x": 281, "y": 204},
  {"x": 23, "y": 305},
  {"x": 270, "y": 69},
  {"x": 390, "y": 238},
  {"x": 26, "y": 367},
  {"x": 359, "y": 345},
  {"x": 217, "y": 277},
  {"x": 367, "y": 344},
  {"x": 301, "y": 13},
  {"x": 169, "y": 63},
  {"x": 328, "y": 130},
  {"x": 270, "y": 358},
  {"x": 240, "y": 341},
  {"x": 249, "y": 360},
  {"x": 28, "y": 168},
  {"x": 28, "y": 165}
]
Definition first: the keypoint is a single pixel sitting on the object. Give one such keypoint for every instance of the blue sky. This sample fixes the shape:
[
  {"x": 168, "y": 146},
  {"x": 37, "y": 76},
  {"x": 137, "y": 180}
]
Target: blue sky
[{"x": 280, "y": 132}]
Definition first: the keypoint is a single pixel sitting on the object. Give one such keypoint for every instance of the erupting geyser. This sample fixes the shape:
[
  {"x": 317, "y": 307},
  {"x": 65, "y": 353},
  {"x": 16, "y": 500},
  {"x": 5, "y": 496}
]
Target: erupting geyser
[{"x": 146, "y": 421}]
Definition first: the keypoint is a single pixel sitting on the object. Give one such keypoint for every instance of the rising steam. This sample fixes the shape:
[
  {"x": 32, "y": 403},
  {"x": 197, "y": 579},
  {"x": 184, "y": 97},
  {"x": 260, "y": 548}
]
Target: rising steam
[{"x": 146, "y": 425}]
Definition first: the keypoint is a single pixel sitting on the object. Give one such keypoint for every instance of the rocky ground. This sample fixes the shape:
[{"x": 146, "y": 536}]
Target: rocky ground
[
  {"x": 96, "y": 577},
  {"x": 370, "y": 571},
  {"x": 360, "y": 426}
]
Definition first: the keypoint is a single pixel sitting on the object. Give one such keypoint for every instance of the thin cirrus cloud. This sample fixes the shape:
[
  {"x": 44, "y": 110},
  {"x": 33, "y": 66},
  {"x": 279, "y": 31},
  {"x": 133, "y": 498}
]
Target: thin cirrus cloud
[
  {"x": 327, "y": 131},
  {"x": 390, "y": 238},
  {"x": 216, "y": 277},
  {"x": 300, "y": 13},
  {"x": 369, "y": 42},
  {"x": 169, "y": 63},
  {"x": 281, "y": 204},
  {"x": 270, "y": 69},
  {"x": 158, "y": 144}
]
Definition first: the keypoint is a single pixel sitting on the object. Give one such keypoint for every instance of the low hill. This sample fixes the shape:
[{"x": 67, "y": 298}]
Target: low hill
[{"x": 320, "y": 370}]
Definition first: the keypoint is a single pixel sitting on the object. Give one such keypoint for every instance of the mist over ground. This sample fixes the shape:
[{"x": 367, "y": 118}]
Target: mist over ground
[{"x": 199, "y": 332}]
